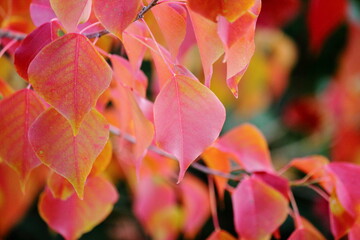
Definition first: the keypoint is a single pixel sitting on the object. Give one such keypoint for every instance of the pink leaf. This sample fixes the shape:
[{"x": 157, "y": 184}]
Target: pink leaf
[
  {"x": 73, "y": 217},
  {"x": 41, "y": 12},
  {"x": 188, "y": 118},
  {"x": 258, "y": 209}
]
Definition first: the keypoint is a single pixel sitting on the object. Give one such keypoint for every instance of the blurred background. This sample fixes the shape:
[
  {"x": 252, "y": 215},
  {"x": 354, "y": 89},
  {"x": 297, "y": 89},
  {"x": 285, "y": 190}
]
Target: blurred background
[{"x": 302, "y": 89}]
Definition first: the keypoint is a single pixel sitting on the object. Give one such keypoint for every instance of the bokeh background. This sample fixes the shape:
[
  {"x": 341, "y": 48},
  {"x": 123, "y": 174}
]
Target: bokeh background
[{"x": 302, "y": 89}]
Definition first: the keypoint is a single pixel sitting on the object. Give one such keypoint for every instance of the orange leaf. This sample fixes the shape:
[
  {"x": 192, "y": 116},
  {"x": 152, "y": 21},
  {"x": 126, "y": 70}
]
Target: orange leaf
[
  {"x": 17, "y": 113},
  {"x": 73, "y": 217},
  {"x": 188, "y": 118},
  {"x": 54, "y": 143},
  {"x": 216, "y": 159},
  {"x": 172, "y": 22},
  {"x": 220, "y": 235},
  {"x": 70, "y": 75},
  {"x": 247, "y": 144},
  {"x": 103, "y": 160}
]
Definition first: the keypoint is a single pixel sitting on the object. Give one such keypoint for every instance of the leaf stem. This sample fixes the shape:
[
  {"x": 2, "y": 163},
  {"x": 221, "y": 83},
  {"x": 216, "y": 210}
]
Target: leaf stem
[{"x": 213, "y": 203}]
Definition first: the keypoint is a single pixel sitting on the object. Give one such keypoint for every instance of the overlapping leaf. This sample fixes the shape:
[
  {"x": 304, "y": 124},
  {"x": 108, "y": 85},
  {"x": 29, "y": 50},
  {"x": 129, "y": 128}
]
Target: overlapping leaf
[
  {"x": 231, "y": 9},
  {"x": 116, "y": 15},
  {"x": 70, "y": 75},
  {"x": 17, "y": 113},
  {"x": 188, "y": 118},
  {"x": 73, "y": 217},
  {"x": 71, "y": 13},
  {"x": 258, "y": 209},
  {"x": 70, "y": 156},
  {"x": 32, "y": 45},
  {"x": 249, "y": 147}
]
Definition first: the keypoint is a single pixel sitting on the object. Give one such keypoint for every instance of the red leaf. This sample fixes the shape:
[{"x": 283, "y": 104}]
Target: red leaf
[
  {"x": 17, "y": 113},
  {"x": 116, "y": 15},
  {"x": 71, "y": 13},
  {"x": 32, "y": 45},
  {"x": 323, "y": 18},
  {"x": 188, "y": 118},
  {"x": 73, "y": 217},
  {"x": 248, "y": 146},
  {"x": 258, "y": 209},
  {"x": 70, "y": 75},
  {"x": 54, "y": 143},
  {"x": 306, "y": 232}
]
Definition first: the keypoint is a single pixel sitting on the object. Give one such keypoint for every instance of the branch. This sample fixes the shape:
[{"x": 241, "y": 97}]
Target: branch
[
  {"x": 20, "y": 36},
  {"x": 114, "y": 130}
]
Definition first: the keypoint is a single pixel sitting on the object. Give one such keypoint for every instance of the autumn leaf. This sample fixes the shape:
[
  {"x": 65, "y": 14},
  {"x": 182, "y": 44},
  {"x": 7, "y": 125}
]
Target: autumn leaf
[
  {"x": 247, "y": 144},
  {"x": 33, "y": 43},
  {"x": 17, "y": 113},
  {"x": 70, "y": 75},
  {"x": 73, "y": 217},
  {"x": 54, "y": 143},
  {"x": 188, "y": 118},
  {"x": 116, "y": 15},
  {"x": 258, "y": 209},
  {"x": 71, "y": 13}
]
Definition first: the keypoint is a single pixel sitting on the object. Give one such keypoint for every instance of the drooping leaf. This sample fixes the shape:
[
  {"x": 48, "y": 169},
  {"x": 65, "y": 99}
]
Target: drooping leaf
[
  {"x": 231, "y": 9},
  {"x": 135, "y": 50},
  {"x": 70, "y": 156},
  {"x": 238, "y": 40},
  {"x": 70, "y": 75},
  {"x": 172, "y": 22},
  {"x": 258, "y": 209},
  {"x": 247, "y": 144},
  {"x": 312, "y": 165},
  {"x": 209, "y": 43},
  {"x": 116, "y": 15},
  {"x": 221, "y": 235},
  {"x": 32, "y": 45},
  {"x": 17, "y": 113},
  {"x": 73, "y": 217},
  {"x": 188, "y": 118},
  {"x": 196, "y": 205},
  {"x": 71, "y": 13}
]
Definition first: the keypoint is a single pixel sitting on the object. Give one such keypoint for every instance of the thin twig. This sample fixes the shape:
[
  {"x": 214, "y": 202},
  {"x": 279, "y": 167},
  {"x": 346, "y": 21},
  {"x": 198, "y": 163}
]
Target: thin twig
[
  {"x": 20, "y": 36},
  {"x": 114, "y": 130}
]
